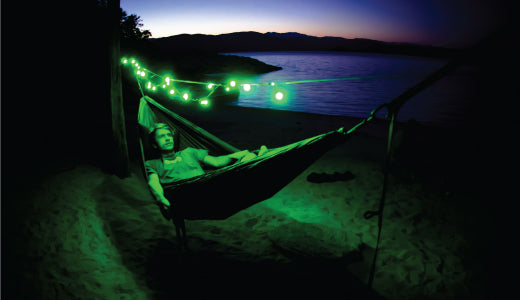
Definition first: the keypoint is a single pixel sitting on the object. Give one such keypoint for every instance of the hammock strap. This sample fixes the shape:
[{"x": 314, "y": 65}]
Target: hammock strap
[{"x": 139, "y": 85}]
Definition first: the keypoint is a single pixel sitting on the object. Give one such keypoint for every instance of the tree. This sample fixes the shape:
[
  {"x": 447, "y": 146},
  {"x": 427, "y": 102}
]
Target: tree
[{"x": 130, "y": 27}]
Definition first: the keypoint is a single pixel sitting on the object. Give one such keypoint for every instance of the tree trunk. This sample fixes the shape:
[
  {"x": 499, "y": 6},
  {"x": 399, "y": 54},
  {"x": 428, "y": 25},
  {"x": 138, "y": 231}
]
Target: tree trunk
[{"x": 122, "y": 161}]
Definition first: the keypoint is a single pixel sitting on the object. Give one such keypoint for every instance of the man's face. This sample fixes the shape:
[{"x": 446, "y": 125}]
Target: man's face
[{"x": 164, "y": 139}]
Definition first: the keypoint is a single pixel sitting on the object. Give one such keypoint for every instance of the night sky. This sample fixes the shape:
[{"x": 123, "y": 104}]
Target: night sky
[{"x": 450, "y": 23}]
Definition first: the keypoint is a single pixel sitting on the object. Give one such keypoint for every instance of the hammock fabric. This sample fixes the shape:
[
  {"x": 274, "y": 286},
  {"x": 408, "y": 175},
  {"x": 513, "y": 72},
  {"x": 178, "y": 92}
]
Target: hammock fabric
[{"x": 220, "y": 193}]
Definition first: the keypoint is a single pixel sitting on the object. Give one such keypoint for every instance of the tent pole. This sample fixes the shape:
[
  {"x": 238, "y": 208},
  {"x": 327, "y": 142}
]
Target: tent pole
[{"x": 122, "y": 161}]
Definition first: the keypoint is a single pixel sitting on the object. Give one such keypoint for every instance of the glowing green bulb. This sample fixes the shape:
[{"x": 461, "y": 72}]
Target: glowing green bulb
[
  {"x": 204, "y": 102},
  {"x": 143, "y": 74},
  {"x": 172, "y": 91},
  {"x": 133, "y": 61},
  {"x": 278, "y": 96},
  {"x": 247, "y": 87},
  {"x": 124, "y": 60},
  {"x": 164, "y": 86},
  {"x": 227, "y": 88},
  {"x": 153, "y": 88},
  {"x": 233, "y": 83},
  {"x": 272, "y": 83},
  {"x": 149, "y": 85},
  {"x": 167, "y": 79},
  {"x": 185, "y": 96},
  {"x": 210, "y": 86}
]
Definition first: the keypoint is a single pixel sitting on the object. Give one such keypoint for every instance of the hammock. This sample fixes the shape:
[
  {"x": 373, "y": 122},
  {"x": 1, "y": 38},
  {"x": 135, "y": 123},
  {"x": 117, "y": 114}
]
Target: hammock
[{"x": 220, "y": 193}]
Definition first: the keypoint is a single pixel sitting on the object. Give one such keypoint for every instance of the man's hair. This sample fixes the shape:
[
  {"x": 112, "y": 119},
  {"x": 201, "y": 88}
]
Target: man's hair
[{"x": 156, "y": 127}]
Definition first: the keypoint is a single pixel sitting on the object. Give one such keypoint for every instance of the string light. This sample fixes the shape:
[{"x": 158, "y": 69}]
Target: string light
[
  {"x": 279, "y": 95},
  {"x": 204, "y": 102}
]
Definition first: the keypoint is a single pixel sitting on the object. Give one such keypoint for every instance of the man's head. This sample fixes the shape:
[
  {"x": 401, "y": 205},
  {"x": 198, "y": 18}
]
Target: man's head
[{"x": 163, "y": 137}]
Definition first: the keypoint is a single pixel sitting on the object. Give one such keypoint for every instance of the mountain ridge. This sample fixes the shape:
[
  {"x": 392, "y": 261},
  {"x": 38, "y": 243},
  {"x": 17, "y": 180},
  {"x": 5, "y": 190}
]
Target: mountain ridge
[{"x": 246, "y": 41}]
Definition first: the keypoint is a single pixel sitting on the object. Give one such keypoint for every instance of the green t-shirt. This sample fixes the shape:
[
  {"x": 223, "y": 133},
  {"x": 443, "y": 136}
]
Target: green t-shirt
[{"x": 185, "y": 164}]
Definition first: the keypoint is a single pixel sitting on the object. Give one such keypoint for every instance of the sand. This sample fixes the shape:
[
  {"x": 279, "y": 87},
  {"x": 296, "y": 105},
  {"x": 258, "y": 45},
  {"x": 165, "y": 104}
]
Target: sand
[{"x": 83, "y": 233}]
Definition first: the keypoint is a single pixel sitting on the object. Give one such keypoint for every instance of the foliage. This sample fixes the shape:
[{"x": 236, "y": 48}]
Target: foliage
[{"x": 130, "y": 25}]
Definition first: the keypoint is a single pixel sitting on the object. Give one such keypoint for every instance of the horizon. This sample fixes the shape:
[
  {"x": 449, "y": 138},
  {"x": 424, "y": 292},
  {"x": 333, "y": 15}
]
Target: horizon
[
  {"x": 329, "y": 36},
  {"x": 445, "y": 23}
]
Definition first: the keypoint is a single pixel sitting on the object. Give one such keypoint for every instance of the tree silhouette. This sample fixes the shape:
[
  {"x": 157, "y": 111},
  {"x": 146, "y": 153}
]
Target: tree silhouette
[{"x": 130, "y": 25}]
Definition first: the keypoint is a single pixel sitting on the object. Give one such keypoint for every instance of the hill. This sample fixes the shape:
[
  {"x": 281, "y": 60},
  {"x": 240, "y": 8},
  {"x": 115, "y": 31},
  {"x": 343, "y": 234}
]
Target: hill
[{"x": 290, "y": 41}]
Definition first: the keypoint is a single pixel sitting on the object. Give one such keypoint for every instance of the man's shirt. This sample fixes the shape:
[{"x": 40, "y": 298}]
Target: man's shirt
[{"x": 185, "y": 164}]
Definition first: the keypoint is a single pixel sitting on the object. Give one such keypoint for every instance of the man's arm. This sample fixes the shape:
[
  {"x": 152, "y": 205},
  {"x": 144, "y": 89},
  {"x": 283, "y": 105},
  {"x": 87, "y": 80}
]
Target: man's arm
[
  {"x": 225, "y": 160},
  {"x": 157, "y": 189},
  {"x": 218, "y": 161}
]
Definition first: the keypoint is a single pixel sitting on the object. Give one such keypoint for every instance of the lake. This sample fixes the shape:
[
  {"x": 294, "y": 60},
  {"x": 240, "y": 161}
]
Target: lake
[{"x": 378, "y": 78}]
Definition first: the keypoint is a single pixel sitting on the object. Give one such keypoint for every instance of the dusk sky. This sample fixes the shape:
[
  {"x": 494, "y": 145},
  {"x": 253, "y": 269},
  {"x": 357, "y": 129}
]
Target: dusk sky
[{"x": 451, "y": 23}]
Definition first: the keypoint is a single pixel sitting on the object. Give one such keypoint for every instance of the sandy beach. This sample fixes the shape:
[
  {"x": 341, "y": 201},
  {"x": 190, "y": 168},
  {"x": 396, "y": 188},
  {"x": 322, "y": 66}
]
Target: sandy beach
[{"x": 83, "y": 233}]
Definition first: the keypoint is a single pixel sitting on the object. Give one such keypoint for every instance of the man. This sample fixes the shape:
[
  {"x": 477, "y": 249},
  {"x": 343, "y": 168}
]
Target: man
[{"x": 173, "y": 166}]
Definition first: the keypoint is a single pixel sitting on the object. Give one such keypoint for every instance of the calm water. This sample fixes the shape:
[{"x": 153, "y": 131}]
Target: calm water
[{"x": 382, "y": 78}]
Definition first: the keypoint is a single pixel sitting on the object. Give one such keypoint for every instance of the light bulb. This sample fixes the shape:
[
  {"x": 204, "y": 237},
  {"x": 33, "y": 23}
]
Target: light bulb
[{"x": 247, "y": 87}]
